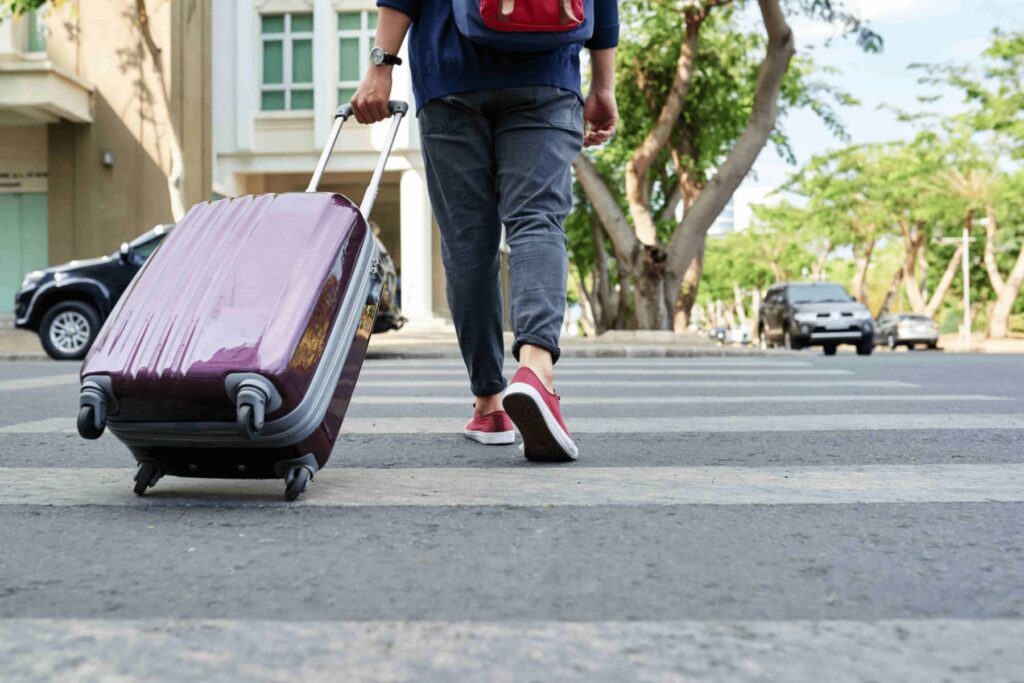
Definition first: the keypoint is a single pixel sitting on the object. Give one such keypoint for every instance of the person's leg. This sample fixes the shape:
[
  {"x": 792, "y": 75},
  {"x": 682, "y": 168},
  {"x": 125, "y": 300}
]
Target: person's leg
[
  {"x": 458, "y": 154},
  {"x": 537, "y": 136}
]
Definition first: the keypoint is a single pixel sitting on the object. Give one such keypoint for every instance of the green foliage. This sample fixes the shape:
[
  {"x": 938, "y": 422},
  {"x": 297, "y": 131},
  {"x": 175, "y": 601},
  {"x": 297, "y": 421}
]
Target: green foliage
[{"x": 17, "y": 7}]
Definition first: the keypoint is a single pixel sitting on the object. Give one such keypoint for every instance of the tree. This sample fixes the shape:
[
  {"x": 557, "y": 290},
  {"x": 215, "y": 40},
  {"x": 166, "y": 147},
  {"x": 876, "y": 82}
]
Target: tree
[
  {"x": 994, "y": 97},
  {"x": 670, "y": 155},
  {"x": 141, "y": 20}
]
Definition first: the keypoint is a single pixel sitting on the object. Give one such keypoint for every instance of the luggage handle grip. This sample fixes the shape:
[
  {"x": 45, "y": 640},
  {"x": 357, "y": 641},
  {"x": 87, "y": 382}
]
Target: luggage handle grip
[
  {"x": 398, "y": 110},
  {"x": 394, "y": 106}
]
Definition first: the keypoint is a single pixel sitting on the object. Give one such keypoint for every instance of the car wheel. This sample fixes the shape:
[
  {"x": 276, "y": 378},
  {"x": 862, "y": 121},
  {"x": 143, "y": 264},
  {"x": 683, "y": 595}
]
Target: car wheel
[
  {"x": 933, "y": 345},
  {"x": 890, "y": 341},
  {"x": 762, "y": 339},
  {"x": 68, "y": 329},
  {"x": 865, "y": 347},
  {"x": 789, "y": 342},
  {"x": 829, "y": 349}
]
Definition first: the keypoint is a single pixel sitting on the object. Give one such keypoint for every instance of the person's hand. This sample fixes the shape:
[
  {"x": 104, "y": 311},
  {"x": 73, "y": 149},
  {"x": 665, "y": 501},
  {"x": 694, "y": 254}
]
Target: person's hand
[
  {"x": 600, "y": 116},
  {"x": 370, "y": 103}
]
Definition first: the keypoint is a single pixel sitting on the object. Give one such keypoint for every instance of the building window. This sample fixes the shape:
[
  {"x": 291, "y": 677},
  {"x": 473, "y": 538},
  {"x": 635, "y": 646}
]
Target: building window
[
  {"x": 287, "y": 83},
  {"x": 357, "y": 32},
  {"x": 35, "y": 31}
]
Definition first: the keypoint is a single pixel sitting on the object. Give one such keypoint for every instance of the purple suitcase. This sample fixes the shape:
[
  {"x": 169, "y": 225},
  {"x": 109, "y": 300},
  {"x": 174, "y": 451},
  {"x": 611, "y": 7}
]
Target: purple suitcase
[{"x": 236, "y": 348}]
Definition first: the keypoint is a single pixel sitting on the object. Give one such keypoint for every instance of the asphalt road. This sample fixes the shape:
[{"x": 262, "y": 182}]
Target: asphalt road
[{"x": 791, "y": 518}]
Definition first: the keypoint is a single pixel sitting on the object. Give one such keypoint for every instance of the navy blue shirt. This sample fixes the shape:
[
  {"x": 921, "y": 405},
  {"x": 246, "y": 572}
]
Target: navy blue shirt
[{"x": 445, "y": 62}]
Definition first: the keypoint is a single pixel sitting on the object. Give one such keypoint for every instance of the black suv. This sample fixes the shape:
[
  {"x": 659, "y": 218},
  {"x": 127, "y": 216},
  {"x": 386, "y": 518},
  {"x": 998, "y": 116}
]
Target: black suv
[
  {"x": 67, "y": 304},
  {"x": 799, "y": 314}
]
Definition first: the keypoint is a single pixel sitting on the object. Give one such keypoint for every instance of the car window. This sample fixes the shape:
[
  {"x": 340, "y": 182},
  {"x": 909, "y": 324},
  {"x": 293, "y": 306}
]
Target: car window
[
  {"x": 818, "y": 294},
  {"x": 144, "y": 249}
]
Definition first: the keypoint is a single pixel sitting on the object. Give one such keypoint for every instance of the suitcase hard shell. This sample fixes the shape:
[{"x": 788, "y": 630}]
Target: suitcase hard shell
[{"x": 236, "y": 348}]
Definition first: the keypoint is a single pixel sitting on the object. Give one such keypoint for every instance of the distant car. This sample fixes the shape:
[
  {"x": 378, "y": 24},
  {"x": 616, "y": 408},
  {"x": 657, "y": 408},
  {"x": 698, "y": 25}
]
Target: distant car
[
  {"x": 800, "y": 314},
  {"x": 904, "y": 329},
  {"x": 739, "y": 335},
  {"x": 67, "y": 304},
  {"x": 719, "y": 334}
]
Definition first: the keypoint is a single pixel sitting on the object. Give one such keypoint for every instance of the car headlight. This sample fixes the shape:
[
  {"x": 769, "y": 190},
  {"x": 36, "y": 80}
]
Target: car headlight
[
  {"x": 32, "y": 278},
  {"x": 862, "y": 315},
  {"x": 805, "y": 317}
]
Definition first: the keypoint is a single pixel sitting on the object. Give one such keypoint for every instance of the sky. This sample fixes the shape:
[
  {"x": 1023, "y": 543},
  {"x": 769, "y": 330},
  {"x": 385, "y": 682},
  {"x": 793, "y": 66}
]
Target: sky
[{"x": 928, "y": 31}]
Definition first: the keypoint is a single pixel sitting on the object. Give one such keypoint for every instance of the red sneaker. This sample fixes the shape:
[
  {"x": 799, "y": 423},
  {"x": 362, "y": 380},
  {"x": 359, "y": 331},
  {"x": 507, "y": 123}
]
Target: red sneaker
[
  {"x": 537, "y": 414},
  {"x": 493, "y": 429}
]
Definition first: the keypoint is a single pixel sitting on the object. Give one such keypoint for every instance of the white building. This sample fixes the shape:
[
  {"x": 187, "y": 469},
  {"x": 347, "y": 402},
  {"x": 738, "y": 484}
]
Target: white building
[{"x": 280, "y": 69}]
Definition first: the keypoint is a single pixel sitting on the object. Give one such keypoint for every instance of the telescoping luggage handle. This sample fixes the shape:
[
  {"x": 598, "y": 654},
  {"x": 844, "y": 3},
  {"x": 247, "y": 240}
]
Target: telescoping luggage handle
[{"x": 398, "y": 110}]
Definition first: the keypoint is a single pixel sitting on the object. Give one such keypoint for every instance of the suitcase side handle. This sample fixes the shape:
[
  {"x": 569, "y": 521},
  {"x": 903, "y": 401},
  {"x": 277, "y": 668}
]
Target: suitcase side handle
[{"x": 398, "y": 110}]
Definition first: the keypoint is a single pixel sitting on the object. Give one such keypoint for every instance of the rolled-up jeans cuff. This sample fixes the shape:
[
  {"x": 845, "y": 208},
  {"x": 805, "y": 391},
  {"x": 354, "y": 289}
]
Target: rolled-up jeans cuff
[
  {"x": 536, "y": 341},
  {"x": 492, "y": 389}
]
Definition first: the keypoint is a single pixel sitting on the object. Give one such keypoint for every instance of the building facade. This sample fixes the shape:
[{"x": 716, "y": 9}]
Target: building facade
[
  {"x": 84, "y": 133},
  {"x": 280, "y": 69}
]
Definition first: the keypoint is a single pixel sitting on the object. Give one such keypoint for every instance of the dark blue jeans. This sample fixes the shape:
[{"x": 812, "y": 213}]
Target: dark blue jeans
[{"x": 493, "y": 158}]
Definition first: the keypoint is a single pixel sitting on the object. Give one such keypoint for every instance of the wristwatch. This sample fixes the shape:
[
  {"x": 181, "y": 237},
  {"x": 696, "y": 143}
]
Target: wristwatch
[{"x": 378, "y": 57}]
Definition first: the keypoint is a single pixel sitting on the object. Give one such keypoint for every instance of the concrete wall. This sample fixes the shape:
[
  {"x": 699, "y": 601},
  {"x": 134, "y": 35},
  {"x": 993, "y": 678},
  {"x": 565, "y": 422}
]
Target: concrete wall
[
  {"x": 23, "y": 161},
  {"x": 94, "y": 207}
]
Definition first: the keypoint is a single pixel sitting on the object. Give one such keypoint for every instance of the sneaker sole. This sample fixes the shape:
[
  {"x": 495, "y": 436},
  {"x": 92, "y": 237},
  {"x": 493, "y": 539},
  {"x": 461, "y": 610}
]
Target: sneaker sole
[
  {"x": 491, "y": 438},
  {"x": 543, "y": 439}
]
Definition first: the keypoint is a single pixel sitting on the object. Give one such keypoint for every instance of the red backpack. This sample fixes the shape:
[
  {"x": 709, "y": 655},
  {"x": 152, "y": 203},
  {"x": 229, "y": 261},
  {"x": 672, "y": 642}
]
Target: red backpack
[{"x": 525, "y": 25}]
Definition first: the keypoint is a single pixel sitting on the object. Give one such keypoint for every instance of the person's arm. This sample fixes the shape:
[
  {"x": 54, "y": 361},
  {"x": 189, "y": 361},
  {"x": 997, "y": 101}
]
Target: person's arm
[
  {"x": 370, "y": 103},
  {"x": 600, "y": 111}
]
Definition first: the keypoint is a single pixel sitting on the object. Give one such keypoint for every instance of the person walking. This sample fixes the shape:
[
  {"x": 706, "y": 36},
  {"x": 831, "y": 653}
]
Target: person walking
[{"x": 500, "y": 130}]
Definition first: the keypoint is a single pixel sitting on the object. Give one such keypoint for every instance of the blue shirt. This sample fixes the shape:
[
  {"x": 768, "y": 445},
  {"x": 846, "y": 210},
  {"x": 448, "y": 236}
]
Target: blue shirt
[{"x": 445, "y": 62}]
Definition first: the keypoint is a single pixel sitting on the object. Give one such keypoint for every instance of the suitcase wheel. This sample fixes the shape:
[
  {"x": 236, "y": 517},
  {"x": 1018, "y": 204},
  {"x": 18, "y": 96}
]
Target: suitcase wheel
[
  {"x": 296, "y": 481},
  {"x": 147, "y": 474},
  {"x": 91, "y": 424}
]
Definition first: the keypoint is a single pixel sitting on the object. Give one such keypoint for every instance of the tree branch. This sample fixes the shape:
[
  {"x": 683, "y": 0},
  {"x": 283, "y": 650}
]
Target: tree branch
[
  {"x": 656, "y": 140},
  {"x": 608, "y": 210}
]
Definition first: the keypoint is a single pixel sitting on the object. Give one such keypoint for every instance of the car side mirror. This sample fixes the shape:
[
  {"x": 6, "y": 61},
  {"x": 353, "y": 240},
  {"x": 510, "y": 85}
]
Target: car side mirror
[{"x": 125, "y": 252}]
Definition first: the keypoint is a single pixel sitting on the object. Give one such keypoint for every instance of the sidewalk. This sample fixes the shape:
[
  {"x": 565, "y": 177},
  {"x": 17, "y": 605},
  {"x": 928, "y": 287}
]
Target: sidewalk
[{"x": 440, "y": 343}]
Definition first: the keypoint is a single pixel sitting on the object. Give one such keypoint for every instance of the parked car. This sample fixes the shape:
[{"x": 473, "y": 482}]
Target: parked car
[
  {"x": 905, "y": 329},
  {"x": 67, "y": 304},
  {"x": 800, "y": 314},
  {"x": 739, "y": 335}
]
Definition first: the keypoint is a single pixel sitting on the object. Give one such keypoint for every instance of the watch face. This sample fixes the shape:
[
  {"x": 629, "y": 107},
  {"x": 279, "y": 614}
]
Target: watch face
[{"x": 377, "y": 56}]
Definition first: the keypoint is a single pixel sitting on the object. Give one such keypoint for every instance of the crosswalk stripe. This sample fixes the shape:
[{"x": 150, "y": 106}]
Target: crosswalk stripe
[
  {"x": 37, "y": 382},
  {"x": 634, "y": 372},
  {"x": 544, "y": 486},
  {"x": 843, "y": 651},
  {"x": 651, "y": 425},
  {"x": 836, "y": 384},
  {"x": 700, "y": 400}
]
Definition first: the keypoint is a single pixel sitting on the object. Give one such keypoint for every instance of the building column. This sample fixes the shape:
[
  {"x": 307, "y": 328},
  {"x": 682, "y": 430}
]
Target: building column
[{"x": 417, "y": 256}]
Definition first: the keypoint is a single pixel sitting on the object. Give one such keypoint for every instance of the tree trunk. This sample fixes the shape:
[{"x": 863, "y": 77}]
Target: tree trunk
[
  {"x": 913, "y": 243},
  {"x": 683, "y": 305},
  {"x": 999, "y": 320},
  {"x": 688, "y": 240},
  {"x": 944, "y": 284},
  {"x": 176, "y": 176},
  {"x": 637, "y": 194},
  {"x": 994, "y": 276},
  {"x": 860, "y": 275},
  {"x": 894, "y": 286},
  {"x": 818, "y": 268}
]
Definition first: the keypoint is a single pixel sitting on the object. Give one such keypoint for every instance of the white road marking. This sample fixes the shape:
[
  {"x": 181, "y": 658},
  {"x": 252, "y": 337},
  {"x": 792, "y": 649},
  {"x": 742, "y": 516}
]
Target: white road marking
[
  {"x": 698, "y": 400},
  {"x": 542, "y": 486},
  {"x": 639, "y": 373},
  {"x": 38, "y": 382},
  {"x": 651, "y": 425},
  {"x": 641, "y": 382},
  {"x": 840, "y": 651}
]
